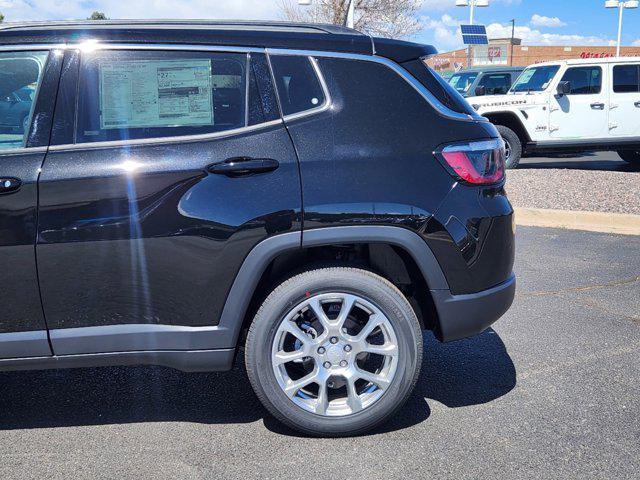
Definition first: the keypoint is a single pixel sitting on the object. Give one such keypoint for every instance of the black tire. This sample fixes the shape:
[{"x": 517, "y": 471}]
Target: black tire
[
  {"x": 374, "y": 289},
  {"x": 630, "y": 156},
  {"x": 513, "y": 144}
]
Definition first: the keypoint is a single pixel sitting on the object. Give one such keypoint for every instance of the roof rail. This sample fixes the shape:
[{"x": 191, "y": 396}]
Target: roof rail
[{"x": 221, "y": 24}]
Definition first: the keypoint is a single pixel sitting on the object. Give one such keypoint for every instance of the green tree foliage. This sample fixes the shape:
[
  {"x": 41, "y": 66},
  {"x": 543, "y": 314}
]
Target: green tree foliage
[{"x": 97, "y": 16}]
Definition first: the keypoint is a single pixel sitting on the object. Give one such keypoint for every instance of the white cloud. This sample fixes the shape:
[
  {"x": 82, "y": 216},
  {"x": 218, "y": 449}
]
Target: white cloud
[
  {"x": 532, "y": 36},
  {"x": 430, "y": 6},
  {"x": 437, "y": 5},
  {"x": 444, "y": 32},
  {"x": 549, "y": 22},
  {"x": 636, "y": 43},
  {"x": 25, "y": 10}
]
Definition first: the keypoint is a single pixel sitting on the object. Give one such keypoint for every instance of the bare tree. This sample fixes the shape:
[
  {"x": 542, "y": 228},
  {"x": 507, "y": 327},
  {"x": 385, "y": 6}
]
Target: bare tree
[{"x": 384, "y": 18}]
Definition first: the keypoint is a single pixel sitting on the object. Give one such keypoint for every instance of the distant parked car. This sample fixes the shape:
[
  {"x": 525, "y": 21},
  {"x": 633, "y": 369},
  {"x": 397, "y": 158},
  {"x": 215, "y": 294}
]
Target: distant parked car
[
  {"x": 15, "y": 108},
  {"x": 485, "y": 81}
]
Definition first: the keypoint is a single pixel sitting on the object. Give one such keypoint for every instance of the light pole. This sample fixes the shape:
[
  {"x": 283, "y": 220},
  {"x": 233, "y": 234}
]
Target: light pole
[
  {"x": 513, "y": 34},
  {"x": 620, "y": 5},
  {"x": 349, "y": 20},
  {"x": 472, "y": 4}
]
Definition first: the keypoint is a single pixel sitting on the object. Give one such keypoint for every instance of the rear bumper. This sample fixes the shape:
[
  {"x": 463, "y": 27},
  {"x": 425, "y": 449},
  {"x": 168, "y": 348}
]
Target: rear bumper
[{"x": 462, "y": 316}]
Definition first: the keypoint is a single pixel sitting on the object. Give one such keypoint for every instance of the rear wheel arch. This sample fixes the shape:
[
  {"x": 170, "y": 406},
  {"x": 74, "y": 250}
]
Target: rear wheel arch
[{"x": 280, "y": 256}]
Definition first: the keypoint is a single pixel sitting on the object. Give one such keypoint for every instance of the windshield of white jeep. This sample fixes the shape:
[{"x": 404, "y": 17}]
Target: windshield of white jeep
[
  {"x": 535, "y": 79},
  {"x": 462, "y": 81}
]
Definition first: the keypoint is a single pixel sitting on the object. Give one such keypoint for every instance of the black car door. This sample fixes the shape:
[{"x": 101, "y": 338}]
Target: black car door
[
  {"x": 174, "y": 165},
  {"x": 23, "y": 330}
]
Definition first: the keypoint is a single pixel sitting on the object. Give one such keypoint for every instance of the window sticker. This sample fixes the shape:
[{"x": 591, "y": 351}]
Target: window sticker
[
  {"x": 526, "y": 76},
  {"x": 155, "y": 93}
]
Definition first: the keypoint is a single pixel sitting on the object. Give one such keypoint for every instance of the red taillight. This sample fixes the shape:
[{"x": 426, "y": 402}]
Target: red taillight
[{"x": 478, "y": 163}]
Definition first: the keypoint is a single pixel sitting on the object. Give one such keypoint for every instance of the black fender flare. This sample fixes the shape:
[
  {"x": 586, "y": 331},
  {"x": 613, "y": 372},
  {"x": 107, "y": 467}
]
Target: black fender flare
[{"x": 254, "y": 265}]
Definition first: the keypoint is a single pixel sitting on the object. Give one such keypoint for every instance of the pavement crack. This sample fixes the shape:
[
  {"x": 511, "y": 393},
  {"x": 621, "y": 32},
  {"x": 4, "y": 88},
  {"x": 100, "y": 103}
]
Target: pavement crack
[{"x": 585, "y": 288}]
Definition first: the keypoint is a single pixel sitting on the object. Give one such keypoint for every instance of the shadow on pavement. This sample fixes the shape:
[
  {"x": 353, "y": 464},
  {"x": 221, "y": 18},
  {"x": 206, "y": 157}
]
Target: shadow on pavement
[
  {"x": 457, "y": 374},
  {"x": 582, "y": 161}
]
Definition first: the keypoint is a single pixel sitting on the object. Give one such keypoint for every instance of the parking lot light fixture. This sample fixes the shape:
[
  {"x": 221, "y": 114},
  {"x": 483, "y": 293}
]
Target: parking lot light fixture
[{"x": 620, "y": 5}]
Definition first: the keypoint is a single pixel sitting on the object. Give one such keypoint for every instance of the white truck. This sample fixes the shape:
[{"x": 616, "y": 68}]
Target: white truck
[{"x": 569, "y": 106}]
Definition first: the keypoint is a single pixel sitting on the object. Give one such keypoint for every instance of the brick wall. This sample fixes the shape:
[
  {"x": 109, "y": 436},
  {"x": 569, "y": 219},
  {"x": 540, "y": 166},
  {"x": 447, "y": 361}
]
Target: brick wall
[{"x": 524, "y": 55}]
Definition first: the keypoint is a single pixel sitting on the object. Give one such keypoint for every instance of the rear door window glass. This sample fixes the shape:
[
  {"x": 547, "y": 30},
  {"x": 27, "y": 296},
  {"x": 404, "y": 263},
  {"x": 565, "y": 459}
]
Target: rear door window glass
[
  {"x": 20, "y": 77},
  {"x": 125, "y": 95},
  {"x": 462, "y": 81},
  {"x": 626, "y": 78},
  {"x": 298, "y": 85},
  {"x": 584, "y": 80},
  {"x": 496, "y": 83}
]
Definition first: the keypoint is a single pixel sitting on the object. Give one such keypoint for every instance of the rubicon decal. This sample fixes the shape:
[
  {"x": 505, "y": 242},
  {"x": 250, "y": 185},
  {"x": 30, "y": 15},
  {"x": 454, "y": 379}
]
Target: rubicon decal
[{"x": 505, "y": 103}]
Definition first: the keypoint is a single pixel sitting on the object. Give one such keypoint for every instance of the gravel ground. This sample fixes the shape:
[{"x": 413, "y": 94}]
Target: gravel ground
[{"x": 572, "y": 189}]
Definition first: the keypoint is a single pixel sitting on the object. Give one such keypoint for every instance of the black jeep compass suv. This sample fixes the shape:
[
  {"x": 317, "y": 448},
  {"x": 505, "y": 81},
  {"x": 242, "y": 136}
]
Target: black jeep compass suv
[{"x": 181, "y": 191}]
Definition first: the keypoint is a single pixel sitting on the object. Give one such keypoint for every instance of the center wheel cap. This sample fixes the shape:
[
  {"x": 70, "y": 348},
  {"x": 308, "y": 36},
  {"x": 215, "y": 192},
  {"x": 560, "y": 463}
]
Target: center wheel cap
[{"x": 335, "y": 353}]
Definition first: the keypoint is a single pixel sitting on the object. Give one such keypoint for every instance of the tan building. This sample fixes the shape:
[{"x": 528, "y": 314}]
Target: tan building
[{"x": 504, "y": 52}]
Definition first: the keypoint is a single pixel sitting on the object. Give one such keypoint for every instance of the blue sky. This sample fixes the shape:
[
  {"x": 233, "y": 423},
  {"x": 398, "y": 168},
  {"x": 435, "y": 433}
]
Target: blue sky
[{"x": 538, "y": 22}]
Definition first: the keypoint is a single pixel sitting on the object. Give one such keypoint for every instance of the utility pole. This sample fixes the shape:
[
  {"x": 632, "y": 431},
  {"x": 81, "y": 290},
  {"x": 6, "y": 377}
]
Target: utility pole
[
  {"x": 513, "y": 34},
  {"x": 350, "y": 14}
]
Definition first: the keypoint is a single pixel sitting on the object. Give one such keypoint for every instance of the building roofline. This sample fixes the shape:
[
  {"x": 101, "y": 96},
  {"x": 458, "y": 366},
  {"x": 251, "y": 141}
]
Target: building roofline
[{"x": 580, "y": 61}]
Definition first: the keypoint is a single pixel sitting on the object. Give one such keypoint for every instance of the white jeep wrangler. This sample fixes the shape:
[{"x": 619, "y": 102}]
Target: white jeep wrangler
[{"x": 569, "y": 106}]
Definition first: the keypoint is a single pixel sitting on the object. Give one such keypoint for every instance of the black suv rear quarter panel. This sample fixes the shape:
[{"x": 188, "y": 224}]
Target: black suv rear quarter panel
[{"x": 369, "y": 160}]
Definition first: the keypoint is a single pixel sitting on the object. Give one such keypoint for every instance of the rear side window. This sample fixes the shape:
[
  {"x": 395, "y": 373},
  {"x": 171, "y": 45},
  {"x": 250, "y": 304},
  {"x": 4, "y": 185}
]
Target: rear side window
[
  {"x": 127, "y": 95},
  {"x": 496, "y": 83},
  {"x": 298, "y": 85},
  {"x": 626, "y": 78},
  {"x": 584, "y": 80},
  {"x": 20, "y": 77},
  {"x": 438, "y": 86}
]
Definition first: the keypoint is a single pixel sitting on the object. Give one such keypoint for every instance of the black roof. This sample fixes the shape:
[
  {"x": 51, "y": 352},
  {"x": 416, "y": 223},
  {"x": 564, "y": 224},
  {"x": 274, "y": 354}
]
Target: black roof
[{"x": 299, "y": 36}]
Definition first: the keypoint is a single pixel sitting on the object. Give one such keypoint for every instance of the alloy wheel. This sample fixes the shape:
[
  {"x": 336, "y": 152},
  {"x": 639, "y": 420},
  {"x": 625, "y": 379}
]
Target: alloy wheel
[{"x": 335, "y": 354}]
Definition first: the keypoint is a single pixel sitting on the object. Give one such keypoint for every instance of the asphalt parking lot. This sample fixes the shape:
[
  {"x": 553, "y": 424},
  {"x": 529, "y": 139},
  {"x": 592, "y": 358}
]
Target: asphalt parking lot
[{"x": 552, "y": 392}]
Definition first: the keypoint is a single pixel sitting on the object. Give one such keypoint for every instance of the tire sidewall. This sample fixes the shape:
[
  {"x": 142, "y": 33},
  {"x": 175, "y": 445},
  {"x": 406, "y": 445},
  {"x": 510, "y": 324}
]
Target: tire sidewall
[
  {"x": 290, "y": 294},
  {"x": 512, "y": 138}
]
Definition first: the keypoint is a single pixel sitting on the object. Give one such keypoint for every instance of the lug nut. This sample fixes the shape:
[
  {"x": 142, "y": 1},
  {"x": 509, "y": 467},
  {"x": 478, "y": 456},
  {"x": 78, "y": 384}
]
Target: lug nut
[
  {"x": 326, "y": 364},
  {"x": 347, "y": 348},
  {"x": 321, "y": 350},
  {"x": 343, "y": 363},
  {"x": 334, "y": 340}
]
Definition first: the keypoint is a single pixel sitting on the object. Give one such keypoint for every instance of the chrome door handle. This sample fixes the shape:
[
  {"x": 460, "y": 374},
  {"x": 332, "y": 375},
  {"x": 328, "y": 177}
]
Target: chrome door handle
[
  {"x": 241, "y": 166},
  {"x": 637, "y": 104},
  {"x": 597, "y": 106}
]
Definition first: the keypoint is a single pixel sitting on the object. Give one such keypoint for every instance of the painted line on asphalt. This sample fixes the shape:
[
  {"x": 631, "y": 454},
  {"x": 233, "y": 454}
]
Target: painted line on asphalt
[{"x": 617, "y": 223}]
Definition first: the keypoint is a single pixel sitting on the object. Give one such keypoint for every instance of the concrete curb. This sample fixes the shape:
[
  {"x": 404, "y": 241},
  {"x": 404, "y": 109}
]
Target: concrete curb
[{"x": 618, "y": 223}]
